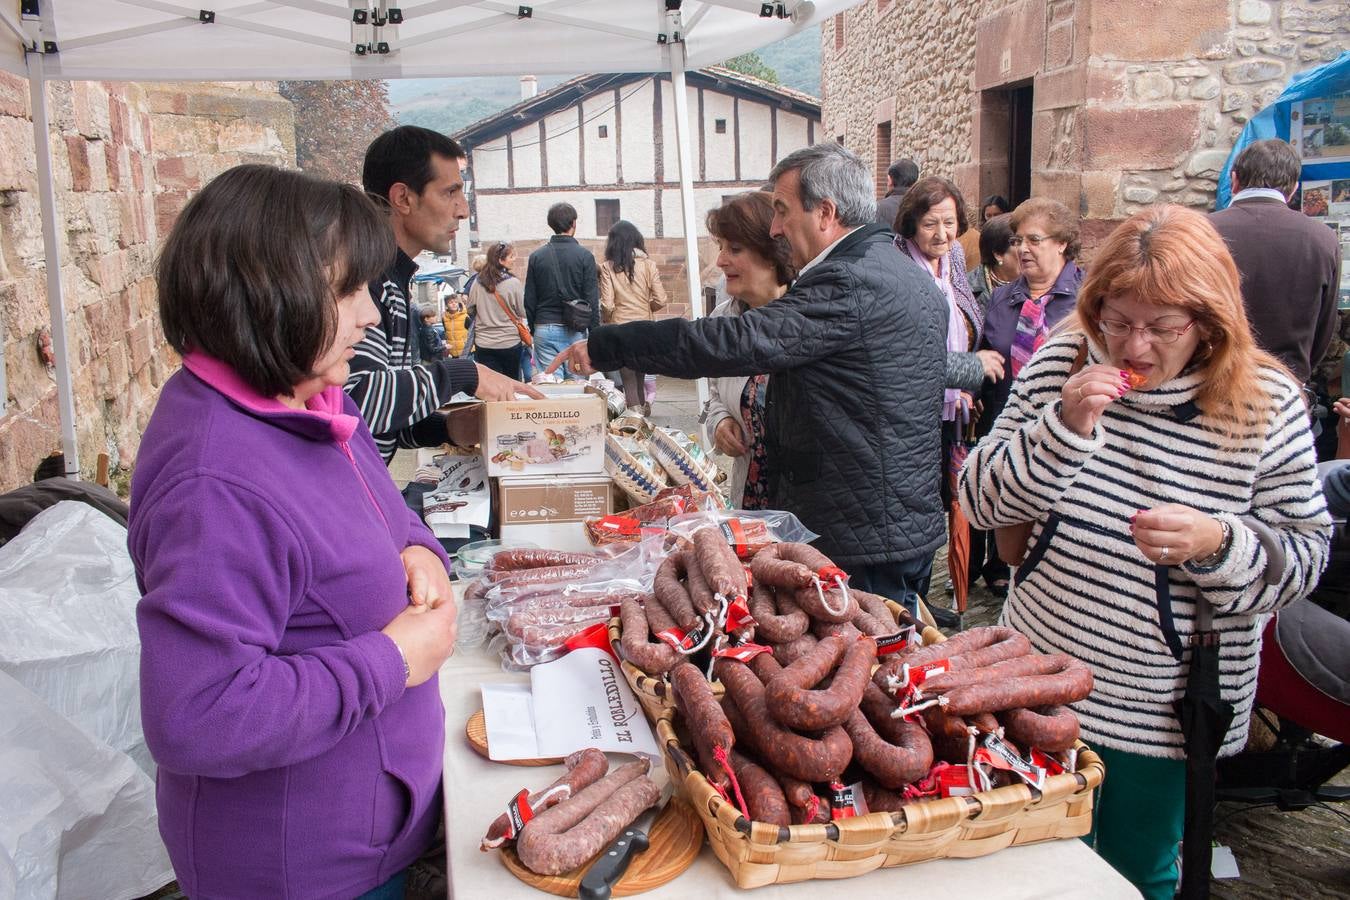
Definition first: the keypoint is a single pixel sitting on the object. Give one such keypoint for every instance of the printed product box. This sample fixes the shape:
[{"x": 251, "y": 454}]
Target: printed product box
[
  {"x": 562, "y": 435},
  {"x": 549, "y": 511}
]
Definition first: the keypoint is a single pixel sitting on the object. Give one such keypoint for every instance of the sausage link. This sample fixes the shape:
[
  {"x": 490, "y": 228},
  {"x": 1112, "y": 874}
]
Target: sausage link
[
  {"x": 875, "y": 605},
  {"x": 509, "y": 578},
  {"x": 1048, "y": 728},
  {"x": 700, "y": 592},
  {"x": 784, "y": 566},
  {"x": 793, "y": 701},
  {"x": 971, "y": 649},
  {"x": 765, "y": 667},
  {"x": 653, "y": 657},
  {"x": 672, "y": 594},
  {"x": 846, "y": 630},
  {"x": 985, "y": 722},
  {"x": 950, "y": 735},
  {"x": 808, "y": 759},
  {"x": 584, "y": 768},
  {"x": 892, "y": 764},
  {"x": 763, "y": 795},
  {"x": 718, "y": 563},
  {"x": 794, "y": 650},
  {"x": 802, "y": 815},
  {"x": 708, "y": 725},
  {"x": 880, "y": 799},
  {"x": 516, "y": 558},
  {"x": 778, "y": 618},
  {"x": 1031, "y": 664},
  {"x": 828, "y": 604},
  {"x": 1070, "y": 682},
  {"x": 565, "y": 836},
  {"x": 799, "y": 794}
]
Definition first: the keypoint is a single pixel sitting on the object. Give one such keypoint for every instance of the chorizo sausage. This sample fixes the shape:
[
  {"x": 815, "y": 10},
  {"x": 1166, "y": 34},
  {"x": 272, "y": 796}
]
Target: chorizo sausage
[
  {"x": 764, "y": 798},
  {"x": 653, "y": 657},
  {"x": 584, "y": 768},
  {"x": 971, "y": 649},
  {"x": 794, "y": 650},
  {"x": 672, "y": 594},
  {"x": 718, "y": 564},
  {"x": 950, "y": 735},
  {"x": 788, "y": 565},
  {"x": 816, "y": 813},
  {"x": 827, "y": 604},
  {"x": 875, "y": 605},
  {"x": 778, "y": 618},
  {"x": 792, "y": 699},
  {"x": 1048, "y": 728},
  {"x": 565, "y": 836},
  {"x": 563, "y": 575},
  {"x": 809, "y": 759},
  {"x": 893, "y": 765},
  {"x": 765, "y": 667},
  {"x": 880, "y": 799},
  {"x": 1069, "y": 682},
  {"x": 700, "y": 592},
  {"x": 1031, "y": 664},
  {"x": 708, "y": 725},
  {"x": 515, "y": 558},
  {"x": 800, "y": 795}
]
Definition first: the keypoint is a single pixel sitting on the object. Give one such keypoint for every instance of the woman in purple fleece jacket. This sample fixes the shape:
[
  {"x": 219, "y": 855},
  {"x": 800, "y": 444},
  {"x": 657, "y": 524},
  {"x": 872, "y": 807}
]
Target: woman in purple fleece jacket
[{"x": 294, "y": 611}]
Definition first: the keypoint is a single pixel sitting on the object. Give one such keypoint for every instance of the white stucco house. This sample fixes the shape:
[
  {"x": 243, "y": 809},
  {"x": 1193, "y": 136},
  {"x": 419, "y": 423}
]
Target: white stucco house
[{"x": 606, "y": 144}]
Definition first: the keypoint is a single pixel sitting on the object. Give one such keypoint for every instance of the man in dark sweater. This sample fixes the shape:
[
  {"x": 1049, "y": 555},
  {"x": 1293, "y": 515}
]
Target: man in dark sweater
[
  {"x": 416, "y": 172},
  {"x": 1289, "y": 264},
  {"x": 560, "y": 271},
  {"x": 900, "y": 177}
]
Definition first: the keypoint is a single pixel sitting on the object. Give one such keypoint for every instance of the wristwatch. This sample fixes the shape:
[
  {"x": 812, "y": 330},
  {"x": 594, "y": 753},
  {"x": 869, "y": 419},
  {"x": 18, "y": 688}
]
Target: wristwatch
[{"x": 1217, "y": 556}]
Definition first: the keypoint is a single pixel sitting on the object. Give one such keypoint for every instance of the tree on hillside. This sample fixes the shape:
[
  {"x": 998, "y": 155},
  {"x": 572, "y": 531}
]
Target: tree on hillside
[
  {"x": 334, "y": 123},
  {"x": 752, "y": 64}
]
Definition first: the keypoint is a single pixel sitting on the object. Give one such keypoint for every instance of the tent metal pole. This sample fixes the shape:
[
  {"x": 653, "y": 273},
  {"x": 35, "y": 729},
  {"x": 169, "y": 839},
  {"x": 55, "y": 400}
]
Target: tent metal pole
[
  {"x": 56, "y": 303},
  {"x": 685, "y": 154}
]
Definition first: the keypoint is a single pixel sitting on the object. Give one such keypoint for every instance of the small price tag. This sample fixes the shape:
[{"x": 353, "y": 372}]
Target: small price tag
[
  {"x": 676, "y": 638},
  {"x": 954, "y": 781},
  {"x": 894, "y": 643},
  {"x": 996, "y": 753},
  {"x": 846, "y": 800},
  {"x": 738, "y": 615},
  {"x": 741, "y": 652}
]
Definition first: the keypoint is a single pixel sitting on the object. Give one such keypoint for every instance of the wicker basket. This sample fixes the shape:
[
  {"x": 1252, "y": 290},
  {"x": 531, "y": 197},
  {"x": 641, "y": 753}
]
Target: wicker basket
[
  {"x": 640, "y": 482},
  {"x": 757, "y": 853},
  {"x": 680, "y": 465}
]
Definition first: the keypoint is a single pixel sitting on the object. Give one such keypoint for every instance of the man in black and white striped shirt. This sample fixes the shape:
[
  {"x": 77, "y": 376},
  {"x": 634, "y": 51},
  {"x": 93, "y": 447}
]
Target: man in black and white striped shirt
[{"x": 416, "y": 172}]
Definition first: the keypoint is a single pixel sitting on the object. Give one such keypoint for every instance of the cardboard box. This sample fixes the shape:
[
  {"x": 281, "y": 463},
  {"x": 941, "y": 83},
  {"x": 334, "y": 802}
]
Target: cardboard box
[
  {"x": 562, "y": 435},
  {"x": 548, "y": 511}
]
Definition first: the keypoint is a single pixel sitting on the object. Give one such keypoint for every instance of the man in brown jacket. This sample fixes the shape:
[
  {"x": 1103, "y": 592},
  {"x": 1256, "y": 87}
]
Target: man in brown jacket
[{"x": 1289, "y": 263}]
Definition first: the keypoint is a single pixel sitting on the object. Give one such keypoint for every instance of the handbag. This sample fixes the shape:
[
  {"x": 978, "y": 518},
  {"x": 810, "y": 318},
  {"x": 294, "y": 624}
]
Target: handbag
[
  {"x": 525, "y": 337},
  {"x": 1012, "y": 540},
  {"x": 576, "y": 314}
]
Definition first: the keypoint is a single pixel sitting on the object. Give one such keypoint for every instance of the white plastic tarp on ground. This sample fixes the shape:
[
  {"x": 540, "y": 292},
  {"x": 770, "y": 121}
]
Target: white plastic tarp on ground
[
  {"x": 77, "y": 796},
  {"x": 258, "y": 40}
]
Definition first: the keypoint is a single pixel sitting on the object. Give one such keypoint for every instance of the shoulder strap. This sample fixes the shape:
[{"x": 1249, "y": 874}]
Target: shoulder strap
[{"x": 506, "y": 309}]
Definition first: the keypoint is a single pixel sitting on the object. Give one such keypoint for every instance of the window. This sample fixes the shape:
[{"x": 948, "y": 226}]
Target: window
[
  {"x": 720, "y": 126},
  {"x": 838, "y": 32},
  {"x": 604, "y": 131},
  {"x": 883, "y": 156},
  {"x": 606, "y": 214}
]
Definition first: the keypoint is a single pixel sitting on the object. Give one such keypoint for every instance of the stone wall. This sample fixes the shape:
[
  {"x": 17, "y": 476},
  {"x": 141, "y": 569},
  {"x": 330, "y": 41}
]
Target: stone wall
[
  {"x": 126, "y": 157},
  {"x": 1135, "y": 101}
]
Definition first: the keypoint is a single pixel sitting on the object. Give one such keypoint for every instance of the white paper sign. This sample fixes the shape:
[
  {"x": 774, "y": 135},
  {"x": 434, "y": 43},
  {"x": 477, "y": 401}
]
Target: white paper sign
[
  {"x": 582, "y": 700},
  {"x": 509, "y": 719}
]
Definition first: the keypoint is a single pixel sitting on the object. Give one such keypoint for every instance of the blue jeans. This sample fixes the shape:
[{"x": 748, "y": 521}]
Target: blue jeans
[
  {"x": 904, "y": 582},
  {"x": 549, "y": 341},
  {"x": 390, "y": 890}
]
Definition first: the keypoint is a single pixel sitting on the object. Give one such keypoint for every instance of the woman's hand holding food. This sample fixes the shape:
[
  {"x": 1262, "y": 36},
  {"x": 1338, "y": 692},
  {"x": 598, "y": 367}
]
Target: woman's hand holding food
[
  {"x": 425, "y": 637},
  {"x": 728, "y": 439},
  {"x": 1087, "y": 394},
  {"x": 428, "y": 582},
  {"x": 1172, "y": 534}
]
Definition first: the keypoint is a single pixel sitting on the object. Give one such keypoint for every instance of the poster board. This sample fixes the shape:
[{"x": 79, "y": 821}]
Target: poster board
[{"x": 1319, "y": 129}]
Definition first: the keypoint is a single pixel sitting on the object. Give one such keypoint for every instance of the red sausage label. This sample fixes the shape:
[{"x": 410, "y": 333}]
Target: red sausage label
[
  {"x": 596, "y": 636},
  {"x": 518, "y": 812},
  {"x": 846, "y": 800},
  {"x": 738, "y": 615},
  {"x": 995, "y": 753},
  {"x": 894, "y": 643},
  {"x": 742, "y": 652}
]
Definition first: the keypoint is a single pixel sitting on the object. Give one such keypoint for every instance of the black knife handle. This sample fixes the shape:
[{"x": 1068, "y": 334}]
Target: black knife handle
[{"x": 609, "y": 868}]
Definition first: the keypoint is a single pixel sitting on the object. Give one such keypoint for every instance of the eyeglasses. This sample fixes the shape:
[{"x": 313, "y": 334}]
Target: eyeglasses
[
  {"x": 1155, "y": 334},
  {"x": 1034, "y": 240}
]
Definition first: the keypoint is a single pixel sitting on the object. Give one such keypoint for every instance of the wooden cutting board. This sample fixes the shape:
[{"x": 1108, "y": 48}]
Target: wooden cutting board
[
  {"x": 676, "y": 837},
  {"x": 476, "y": 732}
]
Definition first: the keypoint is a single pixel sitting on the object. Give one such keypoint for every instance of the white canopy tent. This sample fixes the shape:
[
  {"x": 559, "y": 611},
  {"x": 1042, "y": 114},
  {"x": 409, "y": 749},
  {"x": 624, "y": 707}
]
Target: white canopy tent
[{"x": 173, "y": 40}]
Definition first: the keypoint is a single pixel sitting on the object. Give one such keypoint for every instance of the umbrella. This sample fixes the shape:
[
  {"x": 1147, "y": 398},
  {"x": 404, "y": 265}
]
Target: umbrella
[
  {"x": 958, "y": 529},
  {"x": 1205, "y": 717}
]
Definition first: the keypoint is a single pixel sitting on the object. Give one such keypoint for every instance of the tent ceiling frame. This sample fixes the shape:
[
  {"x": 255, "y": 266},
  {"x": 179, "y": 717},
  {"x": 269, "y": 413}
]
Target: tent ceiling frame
[{"x": 228, "y": 19}]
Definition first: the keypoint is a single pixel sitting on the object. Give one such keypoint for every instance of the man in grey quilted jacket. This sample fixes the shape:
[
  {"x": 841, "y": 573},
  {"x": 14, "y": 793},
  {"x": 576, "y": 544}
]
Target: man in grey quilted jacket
[{"x": 857, "y": 351}]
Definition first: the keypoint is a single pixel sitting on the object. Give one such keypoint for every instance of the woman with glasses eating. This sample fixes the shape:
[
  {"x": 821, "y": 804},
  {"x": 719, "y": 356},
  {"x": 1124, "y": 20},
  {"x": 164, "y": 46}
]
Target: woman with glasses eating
[{"x": 1164, "y": 467}]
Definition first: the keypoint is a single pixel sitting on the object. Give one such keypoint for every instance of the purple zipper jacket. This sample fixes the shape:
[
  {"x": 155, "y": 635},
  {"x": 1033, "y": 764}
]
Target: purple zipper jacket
[{"x": 292, "y": 761}]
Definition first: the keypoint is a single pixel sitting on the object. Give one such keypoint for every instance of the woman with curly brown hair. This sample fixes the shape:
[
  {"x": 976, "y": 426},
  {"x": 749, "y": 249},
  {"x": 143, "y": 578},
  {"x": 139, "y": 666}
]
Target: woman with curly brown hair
[{"x": 1166, "y": 467}]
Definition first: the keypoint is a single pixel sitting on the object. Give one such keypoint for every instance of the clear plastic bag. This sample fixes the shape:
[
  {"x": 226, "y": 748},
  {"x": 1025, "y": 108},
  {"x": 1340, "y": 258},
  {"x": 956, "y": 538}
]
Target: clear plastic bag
[{"x": 746, "y": 530}]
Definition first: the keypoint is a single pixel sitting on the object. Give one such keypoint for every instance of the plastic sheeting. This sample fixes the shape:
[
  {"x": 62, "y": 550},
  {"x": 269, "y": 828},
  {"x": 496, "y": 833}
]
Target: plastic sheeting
[
  {"x": 1273, "y": 121},
  {"x": 77, "y": 798}
]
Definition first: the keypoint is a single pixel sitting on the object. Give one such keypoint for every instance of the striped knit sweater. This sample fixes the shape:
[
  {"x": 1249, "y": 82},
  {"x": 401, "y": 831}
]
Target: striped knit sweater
[{"x": 1085, "y": 589}]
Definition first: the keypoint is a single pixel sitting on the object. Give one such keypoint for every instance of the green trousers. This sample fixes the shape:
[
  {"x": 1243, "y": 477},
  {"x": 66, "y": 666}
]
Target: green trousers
[{"x": 1138, "y": 818}]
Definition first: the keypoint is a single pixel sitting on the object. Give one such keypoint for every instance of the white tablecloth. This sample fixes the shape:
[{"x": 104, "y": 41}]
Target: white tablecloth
[{"x": 476, "y": 791}]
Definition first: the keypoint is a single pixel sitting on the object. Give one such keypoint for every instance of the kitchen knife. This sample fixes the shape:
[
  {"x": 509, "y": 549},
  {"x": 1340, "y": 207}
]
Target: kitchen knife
[{"x": 613, "y": 862}]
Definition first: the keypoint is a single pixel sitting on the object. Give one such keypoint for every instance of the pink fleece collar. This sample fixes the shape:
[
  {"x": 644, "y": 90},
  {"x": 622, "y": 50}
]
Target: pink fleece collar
[{"x": 326, "y": 406}]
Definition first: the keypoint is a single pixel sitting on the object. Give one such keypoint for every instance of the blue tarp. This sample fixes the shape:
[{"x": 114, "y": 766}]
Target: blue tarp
[{"x": 1273, "y": 121}]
